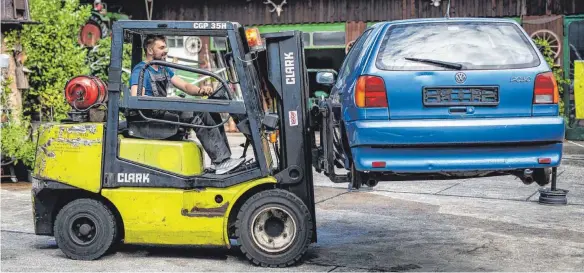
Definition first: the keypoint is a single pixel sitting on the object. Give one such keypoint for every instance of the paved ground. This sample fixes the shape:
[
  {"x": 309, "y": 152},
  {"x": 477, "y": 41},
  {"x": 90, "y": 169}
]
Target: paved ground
[{"x": 490, "y": 224}]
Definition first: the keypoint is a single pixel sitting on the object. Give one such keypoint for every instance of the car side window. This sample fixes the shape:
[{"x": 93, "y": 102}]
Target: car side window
[{"x": 351, "y": 60}]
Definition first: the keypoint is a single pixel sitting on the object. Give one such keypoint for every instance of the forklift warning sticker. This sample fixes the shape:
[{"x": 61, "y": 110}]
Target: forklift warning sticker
[{"x": 293, "y": 117}]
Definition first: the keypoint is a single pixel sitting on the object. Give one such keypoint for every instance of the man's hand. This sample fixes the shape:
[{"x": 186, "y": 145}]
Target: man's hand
[
  {"x": 206, "y": 90},
  {"x": 191, "y": 89}
]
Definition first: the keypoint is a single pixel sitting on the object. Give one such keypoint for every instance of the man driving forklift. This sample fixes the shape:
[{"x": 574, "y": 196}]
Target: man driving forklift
[
  {"x": 156, "y": 81},
  {"x": 99, "y": 183}
]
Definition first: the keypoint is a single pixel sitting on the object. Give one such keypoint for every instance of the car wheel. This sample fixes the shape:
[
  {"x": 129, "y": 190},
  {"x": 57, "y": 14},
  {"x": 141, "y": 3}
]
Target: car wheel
[
  {"x": 85, "y": 229},
  {"x": 357, "y": 179},
  {"x": 542, "y": 176},
  {"x": 274, "y": 228}
]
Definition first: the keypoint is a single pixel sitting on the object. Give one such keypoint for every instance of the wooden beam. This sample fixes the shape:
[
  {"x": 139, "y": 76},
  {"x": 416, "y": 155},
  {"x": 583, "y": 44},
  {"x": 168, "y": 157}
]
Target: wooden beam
[
  {"x": 413, "y": 10},
  {"x": 493, "y": 8}
]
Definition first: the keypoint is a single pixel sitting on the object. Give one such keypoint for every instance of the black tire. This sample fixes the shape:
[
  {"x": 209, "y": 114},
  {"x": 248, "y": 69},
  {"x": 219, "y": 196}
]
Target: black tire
[
  {"x": 356, "y": 178},
  {"x": 371, "y": 183},
  {"x": 542, "y": 176},
  {"x": 74, "y": 220},
  {"x": 256, "y": 206}
]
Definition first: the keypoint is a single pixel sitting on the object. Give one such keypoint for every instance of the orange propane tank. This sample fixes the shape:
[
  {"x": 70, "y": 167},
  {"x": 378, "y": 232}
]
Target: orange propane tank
[{"x": 83, "y": 92}]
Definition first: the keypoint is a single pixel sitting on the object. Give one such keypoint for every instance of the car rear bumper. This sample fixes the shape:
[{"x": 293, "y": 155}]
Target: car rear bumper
[
  {"x": 455, "y": 131},
  {"x": 453, "y": 159},
  {"x": 456, "y": 145}
]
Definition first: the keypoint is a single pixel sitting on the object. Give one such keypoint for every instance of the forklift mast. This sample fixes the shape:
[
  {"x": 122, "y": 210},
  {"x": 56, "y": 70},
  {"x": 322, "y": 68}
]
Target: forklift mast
[{"x": 286, "y": 71}]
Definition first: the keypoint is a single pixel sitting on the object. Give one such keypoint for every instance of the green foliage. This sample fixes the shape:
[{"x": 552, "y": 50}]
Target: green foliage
[
  {"x": 98, "y": 59},
  {"x": 17, "y": 142},
  {"x": 548, "y": 54},
  {"x": 53, "y": 54},
  {"x": 6, "y": 91}
]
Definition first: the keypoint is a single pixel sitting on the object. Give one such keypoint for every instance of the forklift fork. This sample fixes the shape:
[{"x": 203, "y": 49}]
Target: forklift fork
[{"x": 330, "y": 153}]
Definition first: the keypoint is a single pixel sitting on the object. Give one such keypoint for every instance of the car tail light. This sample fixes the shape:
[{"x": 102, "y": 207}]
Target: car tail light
[
  {"x": 544, "y": 160},
  {"x": 370, "y": 92},
  {"x": 546, "y": 89},
  {"x": 378, "y": 164}
]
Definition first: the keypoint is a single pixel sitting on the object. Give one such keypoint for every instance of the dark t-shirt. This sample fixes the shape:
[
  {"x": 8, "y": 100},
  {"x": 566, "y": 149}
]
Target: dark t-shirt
[{"x": 147, "y": 76}]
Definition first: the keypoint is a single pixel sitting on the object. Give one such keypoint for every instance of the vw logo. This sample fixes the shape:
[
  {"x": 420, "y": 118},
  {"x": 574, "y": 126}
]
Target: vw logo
[{"x": 460, "y": 77}]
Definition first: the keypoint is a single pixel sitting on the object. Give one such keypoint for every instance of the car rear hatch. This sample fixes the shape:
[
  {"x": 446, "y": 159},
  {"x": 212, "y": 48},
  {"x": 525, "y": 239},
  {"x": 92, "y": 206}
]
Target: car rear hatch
[{"x": 458, "y": 69}]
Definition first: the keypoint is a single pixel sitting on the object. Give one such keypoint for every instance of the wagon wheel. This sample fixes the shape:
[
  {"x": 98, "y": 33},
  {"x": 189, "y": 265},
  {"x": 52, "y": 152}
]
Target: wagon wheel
[
  {"x": 90, "y": 34},
  {"x": 552, "y": 39}
]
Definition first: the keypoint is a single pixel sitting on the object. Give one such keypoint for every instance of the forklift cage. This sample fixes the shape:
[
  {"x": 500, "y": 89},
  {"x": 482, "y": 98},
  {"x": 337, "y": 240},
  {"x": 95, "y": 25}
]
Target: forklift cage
[
  {"x": 119, "y": 98},
  {"x": 279, "y": 70}
]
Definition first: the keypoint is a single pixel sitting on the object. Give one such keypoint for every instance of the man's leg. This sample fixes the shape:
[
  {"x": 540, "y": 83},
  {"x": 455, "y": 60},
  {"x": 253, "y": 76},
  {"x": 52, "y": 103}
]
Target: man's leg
[
  {"x": 215, "y": 143},
  {"x": 212, "y": 139}
]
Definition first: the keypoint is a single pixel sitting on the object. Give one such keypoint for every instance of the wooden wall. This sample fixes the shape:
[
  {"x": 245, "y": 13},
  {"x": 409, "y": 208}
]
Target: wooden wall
[{"x": 253, "y": 12}]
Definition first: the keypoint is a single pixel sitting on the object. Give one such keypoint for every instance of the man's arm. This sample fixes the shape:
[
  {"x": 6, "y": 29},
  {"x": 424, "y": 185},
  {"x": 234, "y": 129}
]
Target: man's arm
[
  {"x": 134, "y": 90},
  {"x": 134, "y": 81},
  {"x": 190, "y": 89}
]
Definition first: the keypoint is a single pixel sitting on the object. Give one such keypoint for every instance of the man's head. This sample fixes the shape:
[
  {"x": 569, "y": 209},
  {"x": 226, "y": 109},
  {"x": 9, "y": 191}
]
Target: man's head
[{"x": 155, "y": 47}]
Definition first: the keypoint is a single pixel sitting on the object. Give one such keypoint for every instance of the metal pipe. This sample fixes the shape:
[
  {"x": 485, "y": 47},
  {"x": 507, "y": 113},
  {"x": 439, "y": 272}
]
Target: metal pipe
[
  {"x": 528, "y": 175},
  {"x": 554, "y": 176}
]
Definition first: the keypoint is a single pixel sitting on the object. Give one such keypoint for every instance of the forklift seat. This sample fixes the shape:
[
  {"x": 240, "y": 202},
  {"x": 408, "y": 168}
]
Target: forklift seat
[{"x": 136, "y": 127}]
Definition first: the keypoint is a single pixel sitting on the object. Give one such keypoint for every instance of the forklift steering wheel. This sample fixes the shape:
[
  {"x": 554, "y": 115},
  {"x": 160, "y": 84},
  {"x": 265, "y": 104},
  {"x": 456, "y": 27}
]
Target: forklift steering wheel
[
  {"x": 215, "y": 94},
  {"x": 219, "y": 93}
]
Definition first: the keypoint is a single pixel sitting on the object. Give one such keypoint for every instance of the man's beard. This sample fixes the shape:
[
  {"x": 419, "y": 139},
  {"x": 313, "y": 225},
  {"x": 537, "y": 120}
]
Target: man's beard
[{"x": 161, "y": 58}]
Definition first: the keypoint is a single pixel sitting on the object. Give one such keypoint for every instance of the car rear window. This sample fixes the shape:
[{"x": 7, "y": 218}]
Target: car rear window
[{"x": 474, "y": 45}]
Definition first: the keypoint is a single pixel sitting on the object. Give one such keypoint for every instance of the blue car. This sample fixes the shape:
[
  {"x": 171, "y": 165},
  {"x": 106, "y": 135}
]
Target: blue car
[{"x": 443, "y": 98}]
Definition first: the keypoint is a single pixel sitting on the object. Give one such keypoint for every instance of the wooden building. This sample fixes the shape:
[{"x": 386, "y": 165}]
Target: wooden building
[
  {"x": 259, "y": 12},
  {"x": 331, "y": 24},
  {"x": 14, "y": 14}
]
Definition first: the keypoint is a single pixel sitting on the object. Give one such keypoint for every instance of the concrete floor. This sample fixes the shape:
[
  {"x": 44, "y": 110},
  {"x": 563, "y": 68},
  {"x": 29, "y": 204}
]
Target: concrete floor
[{"x": 487, "y": 224}]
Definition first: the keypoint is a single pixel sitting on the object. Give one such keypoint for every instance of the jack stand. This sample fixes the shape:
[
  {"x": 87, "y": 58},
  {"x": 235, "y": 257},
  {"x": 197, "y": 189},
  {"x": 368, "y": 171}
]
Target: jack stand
[{"x": 553, "y": 196}]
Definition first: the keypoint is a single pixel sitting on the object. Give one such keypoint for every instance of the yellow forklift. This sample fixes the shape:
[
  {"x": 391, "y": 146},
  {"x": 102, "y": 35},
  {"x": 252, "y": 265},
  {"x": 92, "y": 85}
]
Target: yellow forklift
[{"x": 114, "y": 172}]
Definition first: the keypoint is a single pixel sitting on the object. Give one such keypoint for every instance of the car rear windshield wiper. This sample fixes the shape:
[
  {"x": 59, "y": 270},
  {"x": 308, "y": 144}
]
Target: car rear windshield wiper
[{"x": 437, "y": 62}]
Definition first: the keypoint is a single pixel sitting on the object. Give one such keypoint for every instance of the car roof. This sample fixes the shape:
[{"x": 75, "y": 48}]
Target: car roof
[{"x": 443, "y": 20}]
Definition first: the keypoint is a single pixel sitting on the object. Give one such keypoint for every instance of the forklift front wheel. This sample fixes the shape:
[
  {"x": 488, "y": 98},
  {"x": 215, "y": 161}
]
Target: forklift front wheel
[
  {"x": 85, "y": 229},
  {"x": 274, "y": 228}
]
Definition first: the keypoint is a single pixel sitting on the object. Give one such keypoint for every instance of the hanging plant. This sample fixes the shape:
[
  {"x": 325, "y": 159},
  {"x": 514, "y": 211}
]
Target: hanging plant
[{"x": 549, "y": 55}]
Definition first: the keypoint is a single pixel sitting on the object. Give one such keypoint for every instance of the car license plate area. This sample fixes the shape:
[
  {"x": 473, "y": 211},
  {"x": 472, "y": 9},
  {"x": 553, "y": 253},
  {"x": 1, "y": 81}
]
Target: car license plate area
[{"x": 461, "y": 96}]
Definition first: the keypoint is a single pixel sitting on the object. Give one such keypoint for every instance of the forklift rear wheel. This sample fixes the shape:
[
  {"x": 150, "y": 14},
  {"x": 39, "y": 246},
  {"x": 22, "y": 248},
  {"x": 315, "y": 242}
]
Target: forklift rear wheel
[
  {"x": 274, "y": 228},
  {"x": 85, "y": 229}
]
